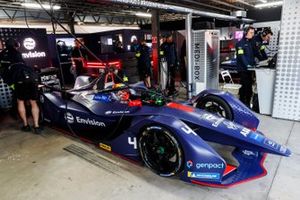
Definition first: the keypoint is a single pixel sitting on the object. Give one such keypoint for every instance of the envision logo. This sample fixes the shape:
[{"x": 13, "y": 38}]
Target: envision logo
[
  {"x": 34, "y": 54},
  {"x": 88, "y": 121},
  {"x": 29, "y": 43},
  {"x": 69, "y": 118}
]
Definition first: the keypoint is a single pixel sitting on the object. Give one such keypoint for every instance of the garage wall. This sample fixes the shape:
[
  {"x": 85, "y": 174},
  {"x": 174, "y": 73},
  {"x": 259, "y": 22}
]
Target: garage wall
[{"x": 287, "y": 85}]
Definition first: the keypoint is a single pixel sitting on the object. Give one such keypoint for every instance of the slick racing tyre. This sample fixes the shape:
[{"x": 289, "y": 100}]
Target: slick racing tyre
[
  {"x": 215, "y": 105},
  {"x": 160, "y": 151}
]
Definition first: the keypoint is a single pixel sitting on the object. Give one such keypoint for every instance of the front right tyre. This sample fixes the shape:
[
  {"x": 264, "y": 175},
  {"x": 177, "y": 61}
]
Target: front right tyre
[{"x": 161, "y": 151}]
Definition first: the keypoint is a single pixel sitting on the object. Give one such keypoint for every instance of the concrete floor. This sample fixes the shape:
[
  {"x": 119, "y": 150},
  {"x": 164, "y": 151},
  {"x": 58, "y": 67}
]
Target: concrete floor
[{"x": 37, "y": 167}]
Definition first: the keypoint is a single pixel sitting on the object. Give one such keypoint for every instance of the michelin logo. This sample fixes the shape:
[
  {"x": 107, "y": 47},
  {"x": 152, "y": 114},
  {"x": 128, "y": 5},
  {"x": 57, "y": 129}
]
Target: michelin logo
[
  {"x": 71, "y": 119},
  {"x": 250, "y": 153},
  {"x": 199, "y": 175}
]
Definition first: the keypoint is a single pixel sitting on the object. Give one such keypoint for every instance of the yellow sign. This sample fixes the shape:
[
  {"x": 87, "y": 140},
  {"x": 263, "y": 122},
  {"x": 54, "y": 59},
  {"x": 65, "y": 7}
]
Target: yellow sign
[{"x": 105, "y": 147}]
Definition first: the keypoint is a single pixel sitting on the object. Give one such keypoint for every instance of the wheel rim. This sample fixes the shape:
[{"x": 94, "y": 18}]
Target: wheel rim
[
  {"x": 215, "y": 108},
  {"x": 160, "y": 151}
]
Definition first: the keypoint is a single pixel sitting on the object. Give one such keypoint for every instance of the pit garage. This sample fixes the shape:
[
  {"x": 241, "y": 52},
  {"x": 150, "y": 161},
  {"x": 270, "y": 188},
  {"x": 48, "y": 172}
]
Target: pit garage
[{"x": 125, "y": 99}]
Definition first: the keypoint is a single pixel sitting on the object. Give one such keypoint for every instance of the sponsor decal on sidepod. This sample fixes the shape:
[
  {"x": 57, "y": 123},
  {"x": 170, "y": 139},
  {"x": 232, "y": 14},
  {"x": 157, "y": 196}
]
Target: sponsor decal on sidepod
[
  {"x": 189, "y": 164},
  {"x": 71, "y": 119},
  {"x": 210, "y": 165}
]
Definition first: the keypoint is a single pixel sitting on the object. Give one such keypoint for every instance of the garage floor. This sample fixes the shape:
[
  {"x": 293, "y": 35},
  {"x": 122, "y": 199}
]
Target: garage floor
[{"x": 38, "y": 167}]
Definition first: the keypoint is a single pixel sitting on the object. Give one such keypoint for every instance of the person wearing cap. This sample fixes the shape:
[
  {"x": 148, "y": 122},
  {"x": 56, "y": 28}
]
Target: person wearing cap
[
  {"x": 144, "y": 63},
  {"x": 10, "y": 55},
  {"x": 168, "y": 50},
  {"x": 259, "y": 43},
  {"x": 245, "y": 61},
  {"x": 24, "y": 90}
]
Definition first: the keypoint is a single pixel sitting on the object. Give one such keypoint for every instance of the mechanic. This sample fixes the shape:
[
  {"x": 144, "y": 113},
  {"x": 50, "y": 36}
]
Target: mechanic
[
  {"x": 168, "y": 50},
  {"x": 134, "y": 45},
  {"x": 26, "y": 83},
  {"x": 144, "y": 63},
  {"x": 259, "y": 43},
  {"x": 78, "y": 58},
  {"x": 245, "y": 61},
  {"x": 9, "y": 56}
]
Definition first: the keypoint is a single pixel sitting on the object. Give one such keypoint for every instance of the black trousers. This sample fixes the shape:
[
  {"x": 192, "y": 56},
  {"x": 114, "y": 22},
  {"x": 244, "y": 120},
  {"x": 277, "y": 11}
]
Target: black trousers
[
  {"x": 171, "y": 78},
  {"x": 245, "y": 91}
]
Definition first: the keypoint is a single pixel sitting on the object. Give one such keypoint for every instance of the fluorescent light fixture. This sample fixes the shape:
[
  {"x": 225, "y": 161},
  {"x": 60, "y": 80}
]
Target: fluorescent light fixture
[
  {"x": 270, "y": 4},
  {"x": 140, "y": 14},
  {"x": 263, "y": 1},
  {"x": 38, "y": 6}
]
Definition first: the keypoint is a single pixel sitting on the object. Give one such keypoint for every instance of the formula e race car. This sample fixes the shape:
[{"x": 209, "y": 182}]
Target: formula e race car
[{"x": 171, "y": 138}]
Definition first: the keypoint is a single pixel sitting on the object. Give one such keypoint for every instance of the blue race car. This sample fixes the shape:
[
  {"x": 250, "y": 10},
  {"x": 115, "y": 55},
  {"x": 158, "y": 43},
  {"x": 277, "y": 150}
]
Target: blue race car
[{"x": 171, "y": 138}]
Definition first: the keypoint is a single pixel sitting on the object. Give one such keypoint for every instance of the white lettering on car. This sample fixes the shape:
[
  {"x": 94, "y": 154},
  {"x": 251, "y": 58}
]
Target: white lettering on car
[
  {"x": 132, "y": 141},
  {"x": 210, "y": 117},
  {"x": 245, "y": 132},
  {"x": 88, "y": 121},
  {"x": 230, "y": 125},
  {"x": 217, "y": 123},
  {"x": 188, "y": 130},
  {"x": 210, "y": 165}
]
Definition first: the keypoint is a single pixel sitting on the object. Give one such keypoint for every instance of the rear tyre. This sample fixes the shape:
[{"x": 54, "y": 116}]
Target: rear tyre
[
  {"x": 161, "y": 151},
  {"x": 215, "y": 105}
]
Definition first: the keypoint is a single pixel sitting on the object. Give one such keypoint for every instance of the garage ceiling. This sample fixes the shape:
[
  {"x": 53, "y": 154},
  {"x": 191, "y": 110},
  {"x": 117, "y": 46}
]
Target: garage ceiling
[{"x": 106, "y": 12}]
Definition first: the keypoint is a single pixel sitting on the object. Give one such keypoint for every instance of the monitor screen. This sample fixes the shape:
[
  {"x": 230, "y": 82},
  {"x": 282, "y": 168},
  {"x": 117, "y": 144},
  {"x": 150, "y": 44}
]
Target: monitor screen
[{"x": 238, "y": 35}]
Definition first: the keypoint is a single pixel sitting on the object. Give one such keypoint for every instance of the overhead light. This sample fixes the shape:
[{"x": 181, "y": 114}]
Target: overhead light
[
  {"x": 140, "y": 14},
  {"x": 38, "y": 6},
  {"x": 270, "y": 4},
  {"x": 263, "y": 1}
]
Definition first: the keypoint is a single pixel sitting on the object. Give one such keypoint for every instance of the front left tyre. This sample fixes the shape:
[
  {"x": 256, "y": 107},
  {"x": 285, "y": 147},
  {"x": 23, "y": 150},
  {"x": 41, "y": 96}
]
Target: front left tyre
[
  {"x": 215, "y": 105},
  {"x": 161, "y": 151}
]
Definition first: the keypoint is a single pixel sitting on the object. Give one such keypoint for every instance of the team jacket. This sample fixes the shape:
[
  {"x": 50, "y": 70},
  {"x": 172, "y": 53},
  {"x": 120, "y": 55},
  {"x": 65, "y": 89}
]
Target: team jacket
[
  {"x": 244, "y": 54},
  {"x": 143, "y": 56},
  {"x": 168, "y": 50},
  {"x": 259, "y": 48}
]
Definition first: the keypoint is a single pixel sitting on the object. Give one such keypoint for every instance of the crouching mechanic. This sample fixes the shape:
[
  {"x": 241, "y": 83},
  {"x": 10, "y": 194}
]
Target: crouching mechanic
[
  {"x": 245, "y": 61},
  {"x": 26, "y": 81}
]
